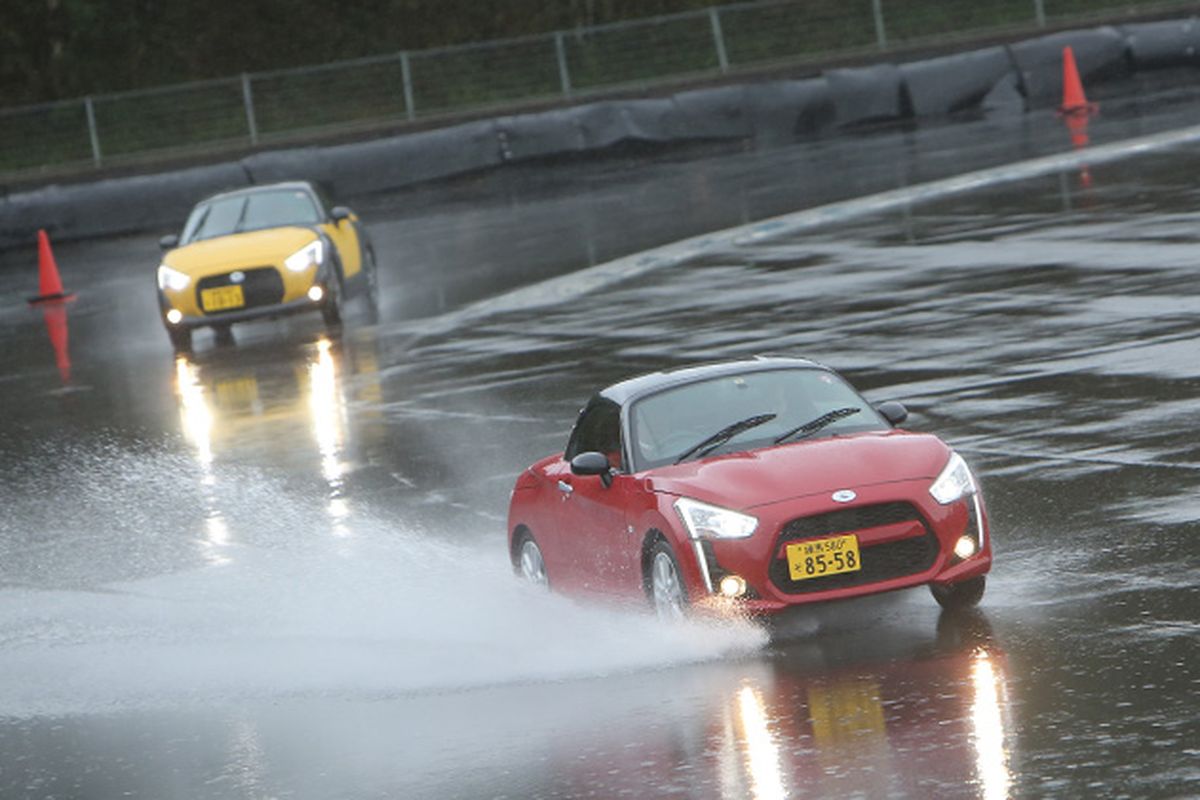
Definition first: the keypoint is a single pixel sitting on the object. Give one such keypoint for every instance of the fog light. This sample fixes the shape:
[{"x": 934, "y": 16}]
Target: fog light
[
  {"x": 733, "y": 586},
  {"x": 964, "y": 548},
  {"x": 174, "y": 316},
  {"x": 316, "y": 293}
]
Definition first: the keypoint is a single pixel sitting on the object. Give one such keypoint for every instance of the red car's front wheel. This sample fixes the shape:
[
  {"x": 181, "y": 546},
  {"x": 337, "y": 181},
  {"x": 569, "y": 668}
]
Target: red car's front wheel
[
  {"x": 667, "y": 591},
  {"x": 530, "y": 564},
  {"x": 963, "y": 594}
]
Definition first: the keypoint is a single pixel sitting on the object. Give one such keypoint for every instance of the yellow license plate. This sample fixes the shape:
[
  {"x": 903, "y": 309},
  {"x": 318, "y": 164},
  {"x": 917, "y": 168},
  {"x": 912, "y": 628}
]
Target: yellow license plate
[
  {"x": 222, "y": 297},
  {"x": 813, "y": 559}
]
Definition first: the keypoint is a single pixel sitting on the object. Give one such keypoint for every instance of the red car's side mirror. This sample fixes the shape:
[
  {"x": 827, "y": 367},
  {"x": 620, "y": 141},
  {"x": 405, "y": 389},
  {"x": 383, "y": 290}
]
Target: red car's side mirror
[
  {"x": 893, "y": 411},
  {"x": 593, "y": 463}
]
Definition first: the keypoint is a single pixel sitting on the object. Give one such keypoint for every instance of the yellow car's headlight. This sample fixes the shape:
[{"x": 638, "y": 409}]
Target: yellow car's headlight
[
  {"x": 172, "y": 279},
  {"x": 311, "y": 255}
]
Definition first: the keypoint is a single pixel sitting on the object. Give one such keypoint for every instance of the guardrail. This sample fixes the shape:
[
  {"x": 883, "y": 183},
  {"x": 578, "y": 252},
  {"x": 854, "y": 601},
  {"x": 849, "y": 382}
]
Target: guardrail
[{"x": 257, "y": 108}]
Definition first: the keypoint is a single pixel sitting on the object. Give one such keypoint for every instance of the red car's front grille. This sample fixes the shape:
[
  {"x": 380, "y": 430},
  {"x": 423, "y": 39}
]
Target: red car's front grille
[
  {"x": 880, "y": 562},
  {"x": 261, "y": 286}
]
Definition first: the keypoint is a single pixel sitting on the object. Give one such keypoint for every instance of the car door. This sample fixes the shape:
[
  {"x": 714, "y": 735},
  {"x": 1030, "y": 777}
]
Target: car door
[
  {"x": 593, "y": 525},
  {"x": 594, "y": 515}
]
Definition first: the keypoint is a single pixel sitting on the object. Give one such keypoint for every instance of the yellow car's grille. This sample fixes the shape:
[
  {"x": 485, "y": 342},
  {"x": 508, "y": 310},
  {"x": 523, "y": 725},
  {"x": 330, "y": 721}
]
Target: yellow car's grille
[{"x": 261, "y": 286}]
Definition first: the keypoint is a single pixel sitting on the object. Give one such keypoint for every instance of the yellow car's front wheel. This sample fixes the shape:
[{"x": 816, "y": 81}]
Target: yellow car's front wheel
[
  {"x": 181, "y": 339},
  {"x": 331, "y": 308}
]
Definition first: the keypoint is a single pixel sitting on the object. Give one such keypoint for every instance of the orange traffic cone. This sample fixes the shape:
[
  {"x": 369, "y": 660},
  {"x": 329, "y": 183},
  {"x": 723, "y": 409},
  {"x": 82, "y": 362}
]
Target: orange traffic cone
[
  {"x": 56, "y": 325},
  {"x": 50, "y": 285},
  {"x": 1077, "y": 126},
  {"x": 1074, "y": 101}
]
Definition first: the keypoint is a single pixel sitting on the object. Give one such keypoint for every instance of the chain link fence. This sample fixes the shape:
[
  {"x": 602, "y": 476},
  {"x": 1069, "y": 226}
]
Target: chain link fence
[{"x": 262, "y": 107}]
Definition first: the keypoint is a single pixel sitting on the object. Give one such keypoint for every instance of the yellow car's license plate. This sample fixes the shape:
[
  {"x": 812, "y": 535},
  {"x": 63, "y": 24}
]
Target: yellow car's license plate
[
  {"x": 222, "y": 297},
  {"x": 818, "y": 557}
]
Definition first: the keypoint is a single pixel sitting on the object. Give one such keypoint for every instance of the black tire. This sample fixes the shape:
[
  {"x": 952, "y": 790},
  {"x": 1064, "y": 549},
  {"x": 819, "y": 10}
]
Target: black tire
[
  {"x": 371, "y": 271},
  {"x": 223, "y": 335},
  {"x": 181, "y": 339},
  {"x": 528, "y": 562},
  {"x": 331, "y": 308},
  {"x": 960, "y": 595},
  {"x": 664, "y": 583}
]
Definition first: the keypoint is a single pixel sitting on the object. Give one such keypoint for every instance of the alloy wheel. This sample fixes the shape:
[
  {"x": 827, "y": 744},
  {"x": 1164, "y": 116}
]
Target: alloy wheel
[
  {"x": 666, "y": 587},
  {"x": 533, "y": 568}
]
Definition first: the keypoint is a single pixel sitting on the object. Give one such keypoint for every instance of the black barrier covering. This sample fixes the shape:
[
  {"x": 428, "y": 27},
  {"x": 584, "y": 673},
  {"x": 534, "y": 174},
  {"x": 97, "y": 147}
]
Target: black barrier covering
[
  {"x": 609, "y": 123},
  {"x": 782, "y": 111},
  {"x": 866, "y": 94},
  {"x": 1172, "y": 43},
  {"x": 1099, "y": 54},
  {"x": 118, "y": 205},
  {"x": 717, "y": 113},
  {"x": 286, "y": 165},
  {"x": 549, "y": 133},
  {"x": 1005, "y": 97},
  {"x": 382, "y": 164},
  {"x": 955, "y": 83},
  {"x": 402, "y": 160}
]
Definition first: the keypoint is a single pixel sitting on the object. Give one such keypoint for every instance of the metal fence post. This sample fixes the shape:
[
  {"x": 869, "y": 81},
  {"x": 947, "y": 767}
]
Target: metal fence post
[
  {"x": 880, "y": 31},
  {"x": 719, "y": 38},
  {"x": 1039, "y": 11},
  {"x": 564, "y": 75},
  {"x": 93, "y": 134},
  {"x": 248, "y": 101},
  {"x": 406, "y": 75}
]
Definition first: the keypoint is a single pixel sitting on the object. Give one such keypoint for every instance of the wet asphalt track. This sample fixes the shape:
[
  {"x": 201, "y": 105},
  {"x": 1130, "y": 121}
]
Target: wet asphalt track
[{"x": 277, "y": 570}]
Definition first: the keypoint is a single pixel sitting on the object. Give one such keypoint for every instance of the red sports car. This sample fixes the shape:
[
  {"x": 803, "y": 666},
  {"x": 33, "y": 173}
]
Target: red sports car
[{"x": 759, "y": 484}]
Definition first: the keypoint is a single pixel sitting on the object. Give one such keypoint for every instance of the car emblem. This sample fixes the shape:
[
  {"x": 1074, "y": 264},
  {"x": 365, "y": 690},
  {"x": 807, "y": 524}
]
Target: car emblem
[
  {"x": 844, "y": 496},
  {"x": 237, "y": 277}
]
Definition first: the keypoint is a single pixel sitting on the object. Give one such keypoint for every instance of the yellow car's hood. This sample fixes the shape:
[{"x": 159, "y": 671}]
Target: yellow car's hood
[{"x": 263, "y": 248}]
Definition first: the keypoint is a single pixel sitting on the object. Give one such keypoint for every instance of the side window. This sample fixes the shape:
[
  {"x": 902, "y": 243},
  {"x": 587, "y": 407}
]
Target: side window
[{"x": 599, "y": 429}]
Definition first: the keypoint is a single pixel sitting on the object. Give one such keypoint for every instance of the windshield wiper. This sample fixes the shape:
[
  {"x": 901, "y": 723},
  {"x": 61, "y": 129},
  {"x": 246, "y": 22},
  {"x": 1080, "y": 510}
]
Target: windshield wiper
[
  {"x": 724, "y": 435},
  {"x": 237, "y": 226},
  {"x": 823, "y": 421}
]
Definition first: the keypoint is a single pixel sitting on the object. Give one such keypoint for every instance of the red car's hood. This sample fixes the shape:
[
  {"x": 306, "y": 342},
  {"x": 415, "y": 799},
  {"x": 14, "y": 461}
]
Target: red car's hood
[{"x": 744, "y": 480}]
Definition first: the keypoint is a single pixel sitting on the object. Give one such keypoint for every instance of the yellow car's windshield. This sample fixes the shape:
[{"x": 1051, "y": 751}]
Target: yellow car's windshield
[{"x": 247, "y": 212}]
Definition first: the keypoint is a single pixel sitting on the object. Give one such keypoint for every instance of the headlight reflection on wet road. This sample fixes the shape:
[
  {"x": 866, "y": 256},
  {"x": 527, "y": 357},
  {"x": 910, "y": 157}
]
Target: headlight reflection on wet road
[
  {"x": 197, "y": 422},
  {"x": 762, "y": 751},
  {"x": 196, "y": 416},
  {"x": 326, "y": 407},
  {"x": 329, "y": 424},
  {"x": 312, "y": 395},
  {"x": 988, "y": 734}
]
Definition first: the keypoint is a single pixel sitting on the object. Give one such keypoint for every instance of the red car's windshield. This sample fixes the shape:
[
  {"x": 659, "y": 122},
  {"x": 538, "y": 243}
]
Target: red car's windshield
[{"x": 687, "y": 422}]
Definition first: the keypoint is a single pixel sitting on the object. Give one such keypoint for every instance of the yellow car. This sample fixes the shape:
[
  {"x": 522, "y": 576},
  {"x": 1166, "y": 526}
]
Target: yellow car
[{"x": 263, "y": 252}]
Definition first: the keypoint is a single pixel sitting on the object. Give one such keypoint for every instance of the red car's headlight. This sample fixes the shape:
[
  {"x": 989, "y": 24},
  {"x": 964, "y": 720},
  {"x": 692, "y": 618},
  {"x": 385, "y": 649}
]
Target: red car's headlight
[
  {"x": 954, "y": 483},
  {"x": 712, "y": 522}
]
